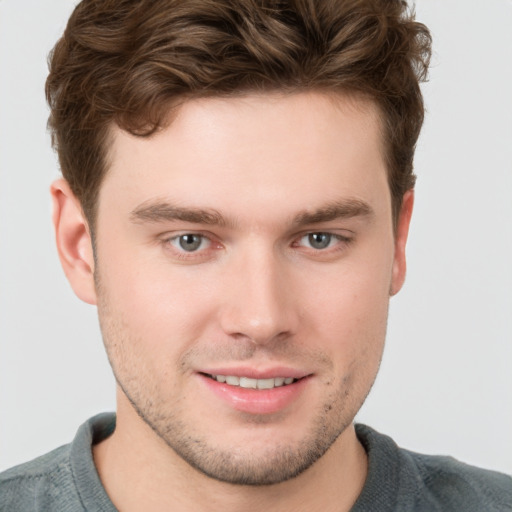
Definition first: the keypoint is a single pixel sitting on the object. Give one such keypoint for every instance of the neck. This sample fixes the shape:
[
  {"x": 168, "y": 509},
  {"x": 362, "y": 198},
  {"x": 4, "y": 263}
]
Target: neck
[{"x": 140, "y": 472}]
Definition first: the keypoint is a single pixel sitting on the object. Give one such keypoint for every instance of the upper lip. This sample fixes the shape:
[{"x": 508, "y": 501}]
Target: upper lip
[{"x": 253, "y": 373}]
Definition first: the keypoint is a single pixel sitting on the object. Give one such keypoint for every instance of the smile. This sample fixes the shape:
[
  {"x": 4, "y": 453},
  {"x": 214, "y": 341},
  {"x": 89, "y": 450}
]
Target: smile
[{"x": 248, "y": 383}]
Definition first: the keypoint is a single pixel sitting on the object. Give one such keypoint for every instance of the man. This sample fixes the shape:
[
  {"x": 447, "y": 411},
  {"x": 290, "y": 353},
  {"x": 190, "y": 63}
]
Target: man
[{"x": 236, "y": 201}]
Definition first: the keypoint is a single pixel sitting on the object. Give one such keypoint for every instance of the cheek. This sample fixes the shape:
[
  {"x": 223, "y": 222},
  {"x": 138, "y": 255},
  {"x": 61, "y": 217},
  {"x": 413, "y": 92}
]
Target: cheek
[
  {"x": 349, "y": 312},
  {"x": 351, "y": 293},
  {"x": 157, "y": 306}
]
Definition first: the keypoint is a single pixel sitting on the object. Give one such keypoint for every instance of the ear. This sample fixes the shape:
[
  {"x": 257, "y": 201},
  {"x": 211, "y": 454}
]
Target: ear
[
  {"x": 402, "y": 232},
  {"x": 73, "y": 239}
]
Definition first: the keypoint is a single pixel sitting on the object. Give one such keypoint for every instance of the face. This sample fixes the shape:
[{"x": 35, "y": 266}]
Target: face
[{"x": 245, "y": 258}]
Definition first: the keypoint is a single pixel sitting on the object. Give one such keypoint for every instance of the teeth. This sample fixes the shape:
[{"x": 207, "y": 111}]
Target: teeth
[
  {"x": 266, "y": 383},
  {"x": 248, "y": 383},
  {"x": 245, "y": 382}
]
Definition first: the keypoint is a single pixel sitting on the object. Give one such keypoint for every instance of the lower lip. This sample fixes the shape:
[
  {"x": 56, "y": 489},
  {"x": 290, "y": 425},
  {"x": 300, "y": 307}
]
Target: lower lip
[{"x": 256, "y": 401}]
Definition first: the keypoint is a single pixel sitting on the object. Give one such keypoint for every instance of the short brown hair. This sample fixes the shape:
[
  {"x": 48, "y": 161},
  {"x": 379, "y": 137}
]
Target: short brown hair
[{"x": 128, "y": 61}]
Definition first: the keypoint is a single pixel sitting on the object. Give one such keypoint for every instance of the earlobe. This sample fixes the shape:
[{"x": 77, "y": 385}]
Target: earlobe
[
  {"x": 402, "y": 232},
  {"x": 73, "y": 239}
]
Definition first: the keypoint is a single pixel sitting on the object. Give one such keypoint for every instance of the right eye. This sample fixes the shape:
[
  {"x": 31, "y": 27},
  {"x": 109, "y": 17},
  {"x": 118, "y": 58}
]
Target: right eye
[{"x": 190, "y": 242}]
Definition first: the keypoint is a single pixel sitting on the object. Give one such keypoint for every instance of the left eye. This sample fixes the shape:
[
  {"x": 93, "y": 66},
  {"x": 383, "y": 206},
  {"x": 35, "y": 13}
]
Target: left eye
[
  {"x": 190, "y": 242},
  {"x": 319, "y": 241}
]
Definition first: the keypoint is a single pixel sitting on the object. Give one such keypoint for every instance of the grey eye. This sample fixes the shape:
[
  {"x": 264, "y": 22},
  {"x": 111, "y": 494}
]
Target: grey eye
[
  {"x": 319, "y": 240},
  {"x": 190, "y": 242}
]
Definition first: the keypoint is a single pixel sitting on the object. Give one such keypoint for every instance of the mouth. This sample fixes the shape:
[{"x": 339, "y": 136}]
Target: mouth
[
  {"x": 256, "y": 394},
  {"x": 251, "y": 383}
]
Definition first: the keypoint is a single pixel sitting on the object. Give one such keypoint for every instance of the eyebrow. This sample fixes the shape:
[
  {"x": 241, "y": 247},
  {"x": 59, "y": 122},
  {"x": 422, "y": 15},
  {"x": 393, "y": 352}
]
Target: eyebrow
[
  {"x": 162, "y": 211},
  {"x": 344, "y": 209}
]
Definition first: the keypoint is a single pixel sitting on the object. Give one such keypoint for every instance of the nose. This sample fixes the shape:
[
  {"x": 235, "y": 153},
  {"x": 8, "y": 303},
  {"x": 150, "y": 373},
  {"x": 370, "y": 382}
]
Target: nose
[{"x": 258, "y": 301}]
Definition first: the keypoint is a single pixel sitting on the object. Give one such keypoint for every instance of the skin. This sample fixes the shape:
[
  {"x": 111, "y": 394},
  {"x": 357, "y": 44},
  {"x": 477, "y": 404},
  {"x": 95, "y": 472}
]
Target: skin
[{"x": 256, "y": 295}]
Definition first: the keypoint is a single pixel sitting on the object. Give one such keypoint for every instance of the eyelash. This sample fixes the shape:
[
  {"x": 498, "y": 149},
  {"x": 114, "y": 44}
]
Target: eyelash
[
  {"x": 332, "y": 237},
  {"x": 182, "y": 254},
  {"x": 342, "y": 242}
]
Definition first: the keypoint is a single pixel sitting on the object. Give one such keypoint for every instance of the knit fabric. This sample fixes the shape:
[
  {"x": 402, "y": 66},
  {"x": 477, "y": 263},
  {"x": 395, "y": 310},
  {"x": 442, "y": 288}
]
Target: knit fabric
[{"x": 66, "y": 480}]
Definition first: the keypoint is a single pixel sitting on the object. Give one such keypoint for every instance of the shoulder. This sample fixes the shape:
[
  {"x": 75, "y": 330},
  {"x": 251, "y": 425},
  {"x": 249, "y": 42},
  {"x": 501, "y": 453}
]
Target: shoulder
[
  {"x": 64, "y": 479},
  {"x": 407, "y": 481},
  {"x": 454, "y": 483},
  {"x": 42, "y": 482}
]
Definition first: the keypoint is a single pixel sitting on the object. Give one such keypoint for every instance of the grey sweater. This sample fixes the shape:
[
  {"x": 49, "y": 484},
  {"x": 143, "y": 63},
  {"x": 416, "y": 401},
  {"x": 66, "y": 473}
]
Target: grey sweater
[{"x": 65, "y": 480}]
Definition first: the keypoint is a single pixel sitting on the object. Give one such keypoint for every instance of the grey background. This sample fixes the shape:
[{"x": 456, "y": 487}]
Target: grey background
[{"x": 446, "y": 382}]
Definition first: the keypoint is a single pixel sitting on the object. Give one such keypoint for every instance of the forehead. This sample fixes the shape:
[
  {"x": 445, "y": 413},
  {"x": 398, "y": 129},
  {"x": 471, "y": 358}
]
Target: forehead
[{"x": 254, "y": 150}]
